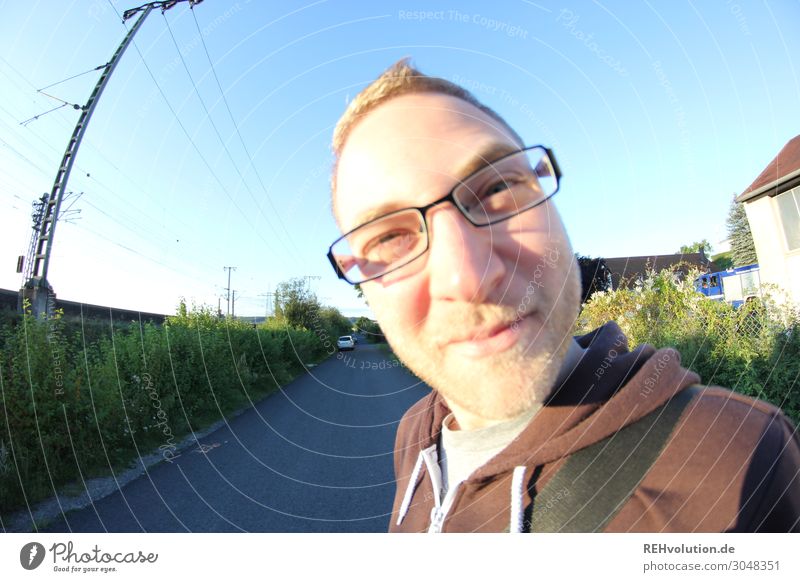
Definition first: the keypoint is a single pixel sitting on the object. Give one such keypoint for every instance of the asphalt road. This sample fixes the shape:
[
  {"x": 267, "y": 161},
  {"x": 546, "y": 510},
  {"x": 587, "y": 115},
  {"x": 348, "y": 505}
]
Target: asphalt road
[{"x": 314, "y": 457}]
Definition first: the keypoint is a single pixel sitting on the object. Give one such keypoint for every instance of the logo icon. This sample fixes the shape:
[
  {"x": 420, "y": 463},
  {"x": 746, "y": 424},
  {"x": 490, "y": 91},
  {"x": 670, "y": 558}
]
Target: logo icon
[{"x": 31, "y": 555}]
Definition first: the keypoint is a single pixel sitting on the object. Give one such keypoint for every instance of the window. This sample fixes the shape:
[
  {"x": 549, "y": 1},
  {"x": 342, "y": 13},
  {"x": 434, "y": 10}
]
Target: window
[
  {"x": 750, "y": 283},
  {"x": 789, "y": 210}
]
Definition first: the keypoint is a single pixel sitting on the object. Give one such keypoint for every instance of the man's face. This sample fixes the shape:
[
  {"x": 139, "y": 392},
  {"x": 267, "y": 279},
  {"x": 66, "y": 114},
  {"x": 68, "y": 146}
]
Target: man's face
[{"x": 485, "y": 316}]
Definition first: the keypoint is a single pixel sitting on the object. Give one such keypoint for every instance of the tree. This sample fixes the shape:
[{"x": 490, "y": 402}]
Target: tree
[
  {"x": 369, "y": 328},
  {"x": 723, "y": 261},
  {"x": 595, "y": 276},
  {"x": 336, "y": 323},
  {"x": 696, "y": 247},
  {"x": 742, "y": 247},
  {"x": 296, "y": 304},
  {"x": 360, "y": 292}
]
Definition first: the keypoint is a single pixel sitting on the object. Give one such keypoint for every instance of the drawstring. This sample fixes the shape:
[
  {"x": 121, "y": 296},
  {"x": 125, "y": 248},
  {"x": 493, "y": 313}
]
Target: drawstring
[
  {"x": 410, "y": 489},
  {"x": 517, "y": 487}
]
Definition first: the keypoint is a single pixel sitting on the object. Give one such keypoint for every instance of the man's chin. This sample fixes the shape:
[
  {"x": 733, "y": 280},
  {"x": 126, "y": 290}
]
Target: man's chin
[
  {"x": 505, "y": 405},
  {"x": 499, "y": 388}
]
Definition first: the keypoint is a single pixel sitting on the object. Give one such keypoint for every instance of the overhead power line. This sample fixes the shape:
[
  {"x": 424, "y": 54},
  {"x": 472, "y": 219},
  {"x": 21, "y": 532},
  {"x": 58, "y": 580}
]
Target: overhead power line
[
  {"x": 97, "y": 68},
  {"x": 200, "y": 154},
  {"x": 290, "y": 248},
  {"x": 238, "y": 133},
  {"x": 63, "y": 103},
  {"x": 35, "y": 117},
  {"x": 129, "y": 222}
]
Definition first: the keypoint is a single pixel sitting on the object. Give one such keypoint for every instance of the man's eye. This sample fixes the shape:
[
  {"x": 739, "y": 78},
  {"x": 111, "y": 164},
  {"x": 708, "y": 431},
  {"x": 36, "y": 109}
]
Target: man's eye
[
  {"x": 496, "y": 189},
  {"x": 500, "y": 195},
  {"x": 391, "y": 246}
]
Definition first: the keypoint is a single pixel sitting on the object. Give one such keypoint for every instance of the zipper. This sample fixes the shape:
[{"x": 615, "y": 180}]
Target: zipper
[
  {"x": 437, "y": 519},
  {"x": 439, "y": 512}
]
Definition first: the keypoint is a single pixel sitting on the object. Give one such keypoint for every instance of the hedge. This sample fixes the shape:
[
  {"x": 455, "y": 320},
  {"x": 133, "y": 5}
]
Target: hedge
[
  {"x": 754, "y": 350},
  {"x": 81, "y": 399}
]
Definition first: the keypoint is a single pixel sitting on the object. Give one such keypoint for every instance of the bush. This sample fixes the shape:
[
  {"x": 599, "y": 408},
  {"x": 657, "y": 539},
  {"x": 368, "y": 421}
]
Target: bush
[
  {"x": 80, "y": 399},
  {"x": 754, "y": 350},
  {"x": 370, "y": 329}
]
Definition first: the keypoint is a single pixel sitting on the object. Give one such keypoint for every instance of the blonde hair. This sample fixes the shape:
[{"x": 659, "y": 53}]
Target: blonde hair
[{"x": 399, "y": 79}]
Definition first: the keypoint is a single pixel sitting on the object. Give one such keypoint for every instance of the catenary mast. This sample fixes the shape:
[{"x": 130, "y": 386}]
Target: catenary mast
[{"x": 36, "y": 288}]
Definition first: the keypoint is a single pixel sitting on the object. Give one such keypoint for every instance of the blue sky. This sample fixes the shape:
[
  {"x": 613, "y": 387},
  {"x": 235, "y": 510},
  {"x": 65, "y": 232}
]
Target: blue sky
[{"x": 658, "y": 114}]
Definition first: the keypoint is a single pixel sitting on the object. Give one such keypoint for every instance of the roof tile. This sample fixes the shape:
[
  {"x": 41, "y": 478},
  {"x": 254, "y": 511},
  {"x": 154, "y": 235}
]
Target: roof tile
[{"x": 786, "y": 162}]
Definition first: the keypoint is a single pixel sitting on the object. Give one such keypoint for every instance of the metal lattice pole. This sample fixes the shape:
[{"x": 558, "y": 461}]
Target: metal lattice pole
[{"x": 36, "y": 288}]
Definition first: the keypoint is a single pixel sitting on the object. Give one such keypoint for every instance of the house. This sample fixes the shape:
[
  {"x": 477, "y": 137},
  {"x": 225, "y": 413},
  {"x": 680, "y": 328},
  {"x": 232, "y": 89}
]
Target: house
[
  {"x": 625, "y": 271},
  {"x": 772, "y": 205}
]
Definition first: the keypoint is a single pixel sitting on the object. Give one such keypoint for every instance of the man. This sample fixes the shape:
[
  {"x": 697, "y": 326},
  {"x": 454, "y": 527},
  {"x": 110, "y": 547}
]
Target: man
[{"x": 451, "y": 230}]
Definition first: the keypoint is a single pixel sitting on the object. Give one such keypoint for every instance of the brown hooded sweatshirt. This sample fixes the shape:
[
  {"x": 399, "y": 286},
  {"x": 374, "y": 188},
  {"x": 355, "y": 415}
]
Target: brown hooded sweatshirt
[{"x": 731, "y": 463}]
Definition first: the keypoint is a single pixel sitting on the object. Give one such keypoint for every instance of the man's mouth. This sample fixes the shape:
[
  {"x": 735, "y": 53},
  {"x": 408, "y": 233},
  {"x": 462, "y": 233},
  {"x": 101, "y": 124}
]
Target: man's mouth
[{"x": 486, "y": 340}]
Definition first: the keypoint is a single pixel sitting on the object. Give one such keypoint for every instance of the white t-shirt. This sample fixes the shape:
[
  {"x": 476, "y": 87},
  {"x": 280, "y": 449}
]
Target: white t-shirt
[{"x": 462, "y": 452}]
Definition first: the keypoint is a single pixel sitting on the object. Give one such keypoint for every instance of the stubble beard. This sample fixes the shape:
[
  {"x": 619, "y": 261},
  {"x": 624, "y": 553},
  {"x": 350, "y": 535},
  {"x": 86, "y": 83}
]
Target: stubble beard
[{"x": 501, "y": 386}]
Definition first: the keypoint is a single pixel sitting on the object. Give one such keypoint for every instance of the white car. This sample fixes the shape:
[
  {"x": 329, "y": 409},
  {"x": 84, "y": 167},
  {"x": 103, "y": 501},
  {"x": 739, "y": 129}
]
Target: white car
[{"x": 345, "y": 343}]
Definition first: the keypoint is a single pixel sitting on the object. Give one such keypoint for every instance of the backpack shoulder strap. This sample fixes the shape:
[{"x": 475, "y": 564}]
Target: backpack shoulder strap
[{"x": 595, "y": 482}]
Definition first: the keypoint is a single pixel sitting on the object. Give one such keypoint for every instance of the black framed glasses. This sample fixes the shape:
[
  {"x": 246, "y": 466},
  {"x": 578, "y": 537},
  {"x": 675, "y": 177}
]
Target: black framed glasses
[{"x": 502, "y": 189}]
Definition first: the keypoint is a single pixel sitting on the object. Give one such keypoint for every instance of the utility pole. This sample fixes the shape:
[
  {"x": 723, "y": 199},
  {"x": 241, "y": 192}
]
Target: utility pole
[
  {"x": 233, "y": 305},
  {"x": 228, "y": 288},
  {"x": 37, "y": 289},
  {"x": 308, "y": 279},
  {"x": 268, "y": 295},
  {"x": 25, "y": 263}
]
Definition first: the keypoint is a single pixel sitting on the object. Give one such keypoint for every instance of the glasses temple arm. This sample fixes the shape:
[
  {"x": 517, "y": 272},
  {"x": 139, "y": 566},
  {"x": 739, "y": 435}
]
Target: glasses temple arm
[
  {"x": 336, "y": 266},
  {"x": 556, "y": 168}
]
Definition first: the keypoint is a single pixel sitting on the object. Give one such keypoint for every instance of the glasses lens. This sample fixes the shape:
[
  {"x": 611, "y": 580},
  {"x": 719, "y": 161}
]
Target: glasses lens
[
  {"x": 508, "y": 186},
  {"x": 381, "y": 246}
]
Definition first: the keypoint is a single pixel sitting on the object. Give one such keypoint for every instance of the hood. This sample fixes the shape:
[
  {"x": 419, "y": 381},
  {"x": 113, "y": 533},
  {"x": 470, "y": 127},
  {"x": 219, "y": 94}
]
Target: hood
[{"x": 610, "y": 387}]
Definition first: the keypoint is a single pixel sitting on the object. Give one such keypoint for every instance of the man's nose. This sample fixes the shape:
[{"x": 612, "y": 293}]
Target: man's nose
[{"x": 463, "y": 264}]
